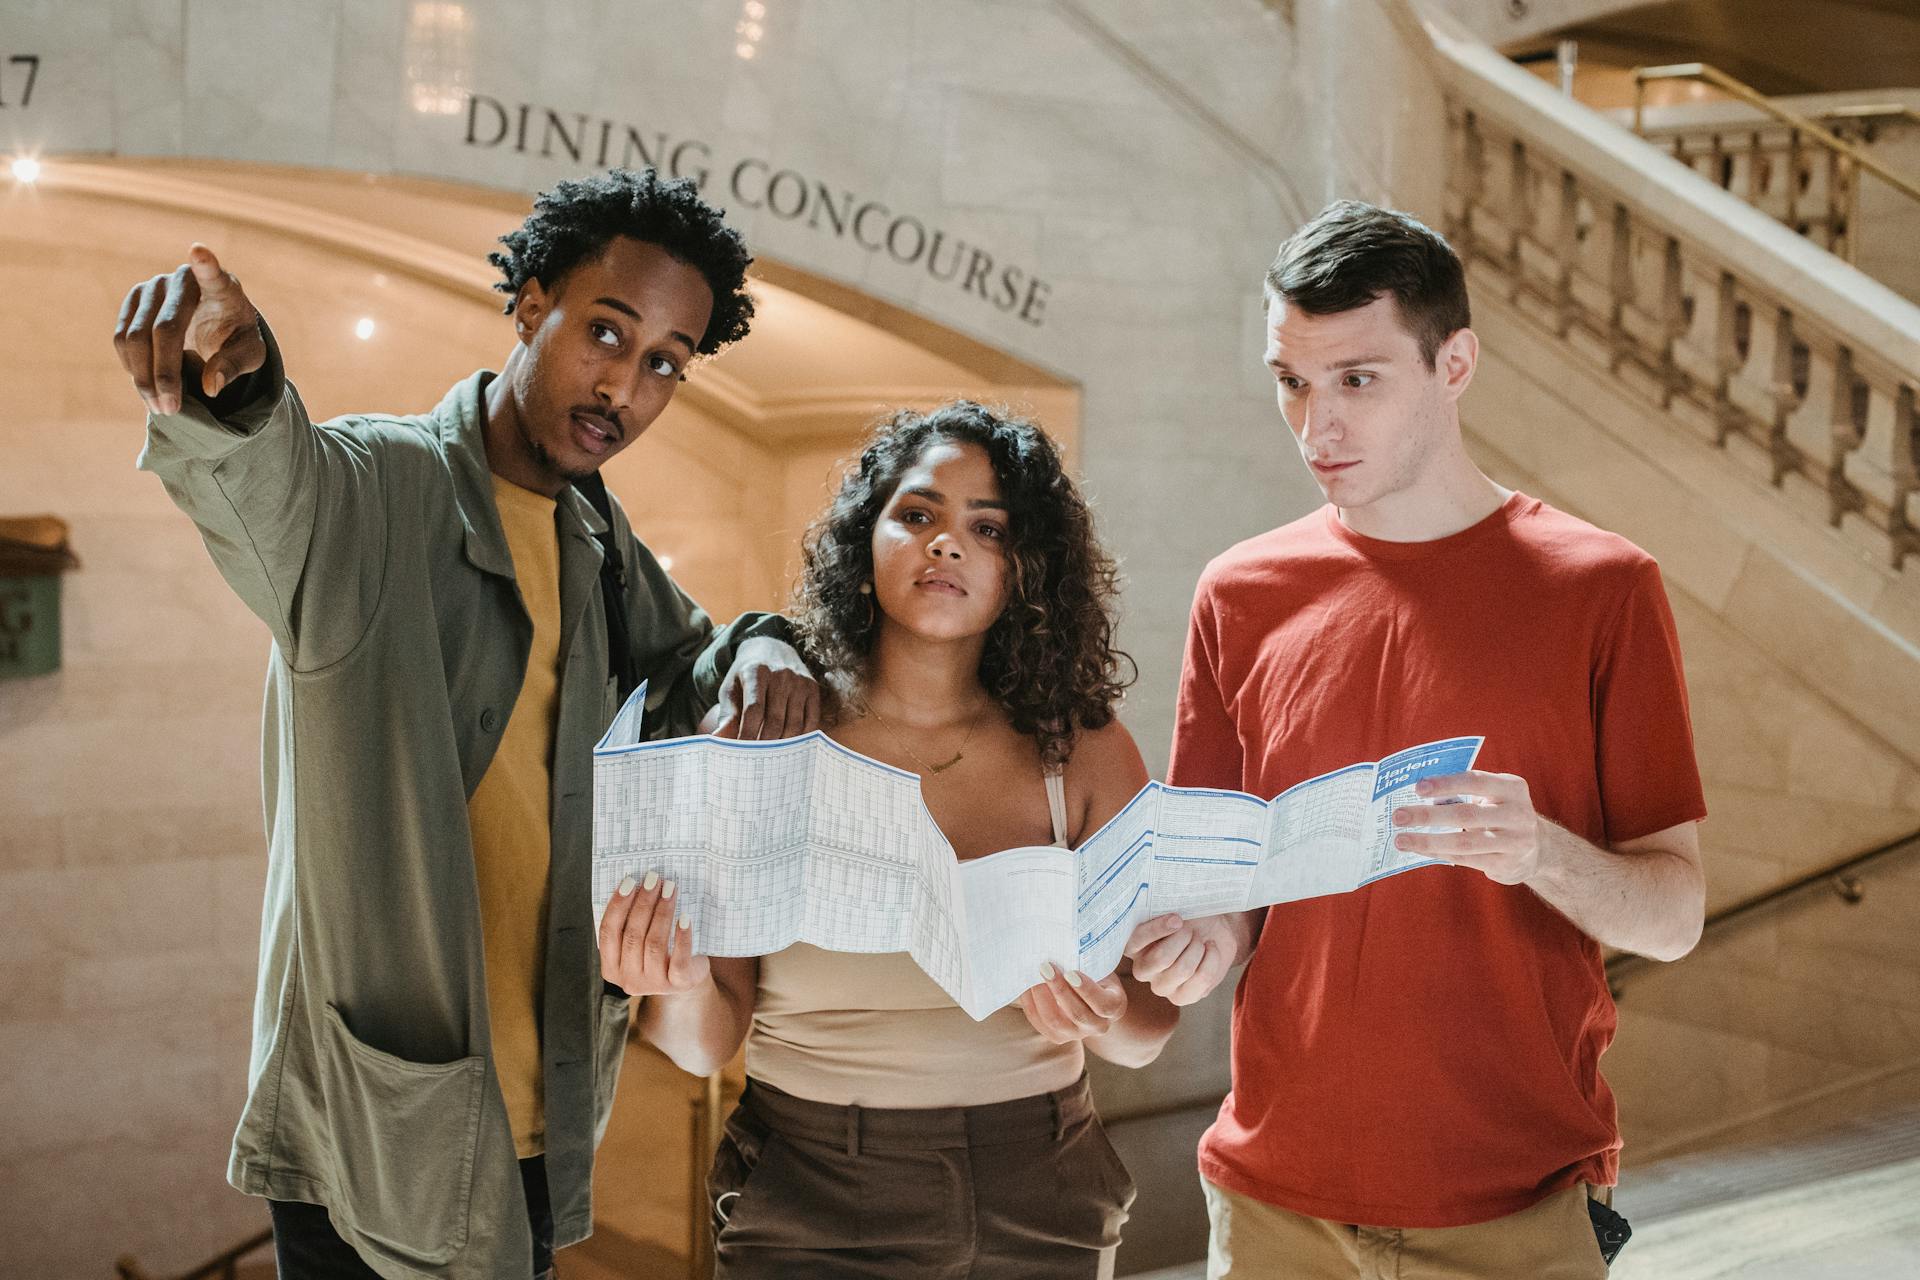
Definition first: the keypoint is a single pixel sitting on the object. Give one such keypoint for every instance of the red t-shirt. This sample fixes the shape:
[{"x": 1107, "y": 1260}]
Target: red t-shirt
[{"x": 1424, "y": 1051}]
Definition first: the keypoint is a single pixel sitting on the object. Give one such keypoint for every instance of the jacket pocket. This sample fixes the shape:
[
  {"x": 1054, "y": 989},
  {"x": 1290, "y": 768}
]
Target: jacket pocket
[
  {"x": 403, "y": 1136},
  {"x": 609, "y": 1051}
]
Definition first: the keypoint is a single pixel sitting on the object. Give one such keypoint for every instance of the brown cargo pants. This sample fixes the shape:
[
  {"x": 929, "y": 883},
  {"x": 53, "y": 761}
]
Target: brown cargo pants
[{"x": 1021, "y": 1190}]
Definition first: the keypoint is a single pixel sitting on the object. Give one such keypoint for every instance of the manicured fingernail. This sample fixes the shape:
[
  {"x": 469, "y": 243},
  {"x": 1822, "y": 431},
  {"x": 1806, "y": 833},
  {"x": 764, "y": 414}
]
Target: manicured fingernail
[
  {"x": 1401, "y": 842},
  {"x": 1046, "y": 971},
  {"x": 625, "y": 887},
  {"x": 1073, "y": 978},
  {"x": 667, "y": 890},
  {"x": 686, "y": 922},
  {"x": 215, "y": 383},
  {"x": 653, "y": 878}
]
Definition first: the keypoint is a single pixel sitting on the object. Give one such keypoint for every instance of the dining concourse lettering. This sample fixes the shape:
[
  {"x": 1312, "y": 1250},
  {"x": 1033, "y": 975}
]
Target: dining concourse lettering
[{"x": 759, "y": 184}]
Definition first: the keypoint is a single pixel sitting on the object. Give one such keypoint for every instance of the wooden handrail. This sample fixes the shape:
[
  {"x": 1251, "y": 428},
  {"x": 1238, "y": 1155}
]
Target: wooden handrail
[
  {"x": 222, "y": 1266},
  {"x": 1842, "y": 877},
  {"x": 1753, "y": 97}
]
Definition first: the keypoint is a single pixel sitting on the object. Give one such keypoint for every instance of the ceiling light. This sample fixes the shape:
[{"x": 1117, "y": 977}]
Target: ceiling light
[
  {"x": 666, "y": 562},
  {"x": 438, "y": 55},
  {"x": 743, "y": 49},
  {"x": 363, "y": 328},
  {"x": 26, "y": 169}
]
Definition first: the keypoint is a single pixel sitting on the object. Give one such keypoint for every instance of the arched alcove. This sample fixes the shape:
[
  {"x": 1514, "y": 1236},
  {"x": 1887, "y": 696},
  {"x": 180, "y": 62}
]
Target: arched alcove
[{"x": 133, "y": 773}]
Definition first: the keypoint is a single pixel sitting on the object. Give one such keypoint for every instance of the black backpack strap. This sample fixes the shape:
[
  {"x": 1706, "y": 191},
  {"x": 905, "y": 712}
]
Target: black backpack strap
[{"x": 613, "y": 588}]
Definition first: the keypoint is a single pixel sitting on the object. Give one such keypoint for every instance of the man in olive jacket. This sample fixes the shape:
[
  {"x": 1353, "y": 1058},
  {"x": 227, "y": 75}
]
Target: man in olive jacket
[{"x": 434, "y": 1051}]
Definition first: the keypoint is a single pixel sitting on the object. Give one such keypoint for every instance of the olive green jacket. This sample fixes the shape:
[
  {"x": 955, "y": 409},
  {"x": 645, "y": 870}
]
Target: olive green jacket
[{"x": 371, "y": 548}]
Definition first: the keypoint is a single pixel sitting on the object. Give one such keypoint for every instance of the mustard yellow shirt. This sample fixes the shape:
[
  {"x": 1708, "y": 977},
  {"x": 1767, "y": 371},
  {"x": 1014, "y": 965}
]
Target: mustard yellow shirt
[{"x": 510, "y": 813}]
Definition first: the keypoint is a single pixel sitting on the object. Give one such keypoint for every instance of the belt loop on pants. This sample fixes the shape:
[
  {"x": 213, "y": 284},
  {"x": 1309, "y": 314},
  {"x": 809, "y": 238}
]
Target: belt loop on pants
[{"x": 853, "y": 1130}]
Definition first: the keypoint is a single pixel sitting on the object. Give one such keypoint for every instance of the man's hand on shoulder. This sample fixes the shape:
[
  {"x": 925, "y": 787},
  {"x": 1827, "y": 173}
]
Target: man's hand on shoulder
[
  {"x": 768, "y": 693},
  {"x": 195, "y": 321},
  {"x": 1182, "y": 961}
]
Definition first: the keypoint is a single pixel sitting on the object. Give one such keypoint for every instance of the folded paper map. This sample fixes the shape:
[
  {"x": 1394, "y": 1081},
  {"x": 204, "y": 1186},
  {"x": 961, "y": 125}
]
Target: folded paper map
[{"x": 804, "y": 840}]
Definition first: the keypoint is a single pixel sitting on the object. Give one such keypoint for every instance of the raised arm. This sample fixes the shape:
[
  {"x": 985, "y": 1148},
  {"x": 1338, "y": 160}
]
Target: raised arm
[{"x": 293, "y": 515}]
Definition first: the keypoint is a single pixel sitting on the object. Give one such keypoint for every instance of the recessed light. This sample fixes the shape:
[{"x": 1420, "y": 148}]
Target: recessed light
[
  {"x": 363, "y": 328},
  {"x": 26, "y": 169}
]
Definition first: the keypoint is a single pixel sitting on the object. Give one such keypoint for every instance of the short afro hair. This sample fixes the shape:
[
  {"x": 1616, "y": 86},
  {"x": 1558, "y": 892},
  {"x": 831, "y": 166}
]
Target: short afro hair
[{"x": 577, "y": 219}]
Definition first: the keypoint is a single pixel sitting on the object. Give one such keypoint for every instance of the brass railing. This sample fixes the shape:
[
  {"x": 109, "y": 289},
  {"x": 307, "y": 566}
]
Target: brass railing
[
  {"x": 1795, "y": 168},
  {"x": 1708, "y": 339},
  {"x": 222, "y": 1266},
  {"x": 1843, "y": 879}
]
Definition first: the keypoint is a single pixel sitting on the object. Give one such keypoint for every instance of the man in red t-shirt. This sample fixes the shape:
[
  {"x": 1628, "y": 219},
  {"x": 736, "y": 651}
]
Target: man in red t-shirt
[{"x": 1416, "y": 1084}]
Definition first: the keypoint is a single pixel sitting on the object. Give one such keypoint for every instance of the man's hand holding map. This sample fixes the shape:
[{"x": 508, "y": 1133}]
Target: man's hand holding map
[{"x": 804, "y": 840}]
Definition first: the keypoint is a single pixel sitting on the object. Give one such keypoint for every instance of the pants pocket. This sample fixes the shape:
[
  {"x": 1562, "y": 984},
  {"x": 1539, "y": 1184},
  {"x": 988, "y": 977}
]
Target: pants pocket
[
  {"x": 402, "y": 1135},
  {"x": 771, "y": 1191},
  {"x": 741, "y": 1144},
  {"x": 1092, "y": 1189}
]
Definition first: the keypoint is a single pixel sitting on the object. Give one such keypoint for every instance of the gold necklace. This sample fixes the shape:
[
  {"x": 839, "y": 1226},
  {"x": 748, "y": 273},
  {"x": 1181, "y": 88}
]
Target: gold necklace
[{"x": 900, "y": 742}]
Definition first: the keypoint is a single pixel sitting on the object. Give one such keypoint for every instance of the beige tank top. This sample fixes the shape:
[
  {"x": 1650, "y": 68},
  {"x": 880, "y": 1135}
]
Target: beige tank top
[{"x": 876, "y": 1031}]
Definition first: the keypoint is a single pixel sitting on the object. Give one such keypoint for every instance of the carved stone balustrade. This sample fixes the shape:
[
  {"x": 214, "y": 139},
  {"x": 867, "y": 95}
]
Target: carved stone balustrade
[{"x": 1701, "y": 332}]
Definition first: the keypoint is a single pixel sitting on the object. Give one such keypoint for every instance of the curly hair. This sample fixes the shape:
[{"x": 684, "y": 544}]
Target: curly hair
[
  {"x": 577, "y": 219},
  {"x": 1049, "y": 660}
]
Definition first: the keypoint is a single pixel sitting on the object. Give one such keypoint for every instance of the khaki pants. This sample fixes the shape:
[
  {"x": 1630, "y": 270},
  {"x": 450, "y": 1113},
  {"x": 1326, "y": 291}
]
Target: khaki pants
[
  {"x": 1553, "y": 1240},
  {"x": 1021, "y": 1190}
]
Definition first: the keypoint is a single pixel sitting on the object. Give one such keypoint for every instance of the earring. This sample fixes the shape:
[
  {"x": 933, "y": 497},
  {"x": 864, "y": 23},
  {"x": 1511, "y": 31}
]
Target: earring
[{"x": 866, "y": 590}]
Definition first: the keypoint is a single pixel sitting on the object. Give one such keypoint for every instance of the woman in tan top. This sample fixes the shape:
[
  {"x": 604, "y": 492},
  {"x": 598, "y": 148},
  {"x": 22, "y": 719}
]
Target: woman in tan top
[{"x": 959, "y": 606}]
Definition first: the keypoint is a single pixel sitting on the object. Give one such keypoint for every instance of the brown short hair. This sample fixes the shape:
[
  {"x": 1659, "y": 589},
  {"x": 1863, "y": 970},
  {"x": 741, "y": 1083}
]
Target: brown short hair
[{"x": 1352, "y": 253}]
